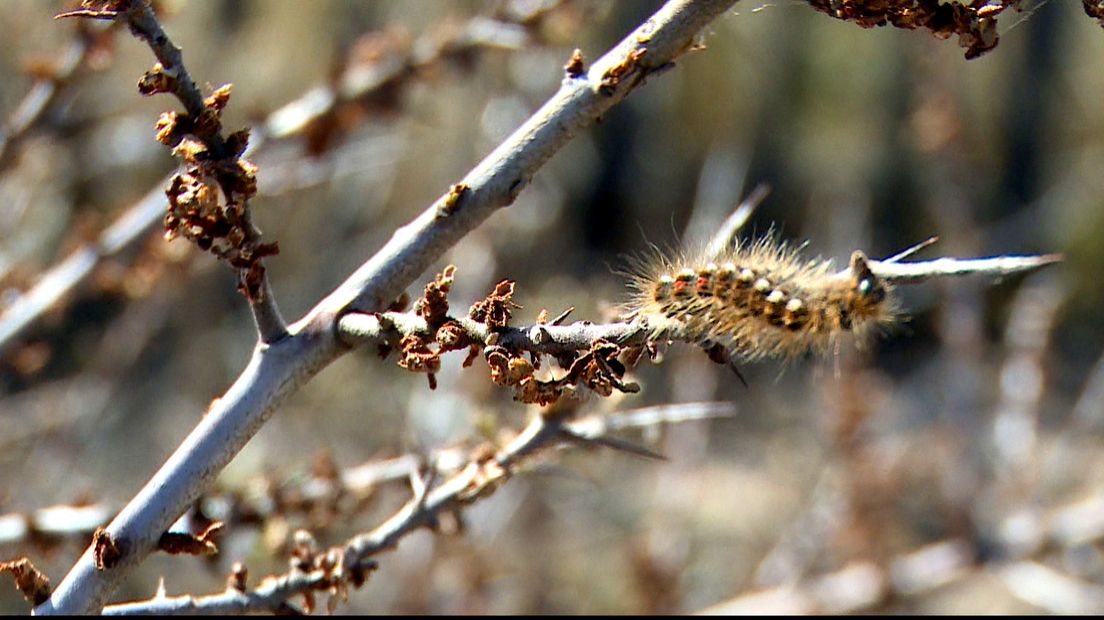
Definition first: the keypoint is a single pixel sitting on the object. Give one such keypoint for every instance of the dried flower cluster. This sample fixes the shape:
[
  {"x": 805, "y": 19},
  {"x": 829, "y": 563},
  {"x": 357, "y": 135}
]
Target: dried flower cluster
[
  {"x": 183, "y": 543},
  {"x": 598, "y": 366},
  {"x": 208, "y": 202},
  {"x": 974, "y": 22},
  {"x": 337, "y": 574}
]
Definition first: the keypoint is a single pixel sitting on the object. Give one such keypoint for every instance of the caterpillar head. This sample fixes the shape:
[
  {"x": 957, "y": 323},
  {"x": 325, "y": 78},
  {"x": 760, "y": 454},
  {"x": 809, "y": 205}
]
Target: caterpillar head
[{"x": 867, "y": 293}]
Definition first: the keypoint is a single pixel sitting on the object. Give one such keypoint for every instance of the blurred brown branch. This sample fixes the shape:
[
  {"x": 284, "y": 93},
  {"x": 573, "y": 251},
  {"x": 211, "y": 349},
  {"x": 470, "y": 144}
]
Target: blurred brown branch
[
  {"x": 864, "y": 586},
  {"x": 50, "y": 83}
]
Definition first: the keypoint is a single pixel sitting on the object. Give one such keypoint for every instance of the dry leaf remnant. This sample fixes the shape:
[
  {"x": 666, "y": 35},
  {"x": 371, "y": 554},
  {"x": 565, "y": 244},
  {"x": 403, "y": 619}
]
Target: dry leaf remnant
[
  {"x": 496, "y": 308},
  {"x": 288, "y": 381},
  {"x": 183, "y": 543},
  {"x": 28, "y": 580},
  {"x": 973, "y": 22},
  {"x": 597, "y": 367},
  {"x": 106, "y": 549},
  {"x": 352, "y": 101},
  {"x": 452, "y": 200},
  {"x": 575, "y": 65},
  {"x": 628, "y": 67}
]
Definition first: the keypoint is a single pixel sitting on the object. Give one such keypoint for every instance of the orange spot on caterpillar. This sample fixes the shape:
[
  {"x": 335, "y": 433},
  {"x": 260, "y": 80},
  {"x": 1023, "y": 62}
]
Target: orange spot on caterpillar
[{"x": 761, "y": 299}]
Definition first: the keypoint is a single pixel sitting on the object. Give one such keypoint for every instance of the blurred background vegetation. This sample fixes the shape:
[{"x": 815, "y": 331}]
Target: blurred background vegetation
[{"x": 984, "y": 411}]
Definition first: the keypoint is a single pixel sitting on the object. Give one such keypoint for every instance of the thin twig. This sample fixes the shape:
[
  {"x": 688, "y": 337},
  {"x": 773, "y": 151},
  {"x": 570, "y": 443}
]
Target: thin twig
[
  {"x": 172, "y": 71},
  {"x": 62, "y": 278},
  {"x": 361, "y": 329},
  {"x": 143, "y": 23},
  {"x": 360, "y": 82},
  {"x": 736, "y": 220},
  {"x": 1015, "y": 434},
  {"x": 996, "y": 267},
  {"x": 472, "y": 481},
  {"x": 233, "y": 507},
  {"x": 357, "y": 328},
  {"x": 277, "y": 370}
]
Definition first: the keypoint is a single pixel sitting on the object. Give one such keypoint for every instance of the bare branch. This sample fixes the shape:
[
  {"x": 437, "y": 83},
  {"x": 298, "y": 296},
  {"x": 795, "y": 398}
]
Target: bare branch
[
  {"x": 271, "y": 596},
  {"x": 1052, "y": 590},
  {"x": 62, "y": 278},
  {"x": 234, "y": 507},
  {"x": 500, "y": 177},
  {"x": 278, "y": 369},
  {"x": 361, "y": 329},
  {"x": 359, "y": 81},
  {"x": 996, "y": 267}
]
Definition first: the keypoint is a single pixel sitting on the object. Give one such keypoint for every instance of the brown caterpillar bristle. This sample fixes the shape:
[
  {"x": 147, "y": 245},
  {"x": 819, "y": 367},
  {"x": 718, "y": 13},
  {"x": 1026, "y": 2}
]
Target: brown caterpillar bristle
[{"x": 761, "y": 300}]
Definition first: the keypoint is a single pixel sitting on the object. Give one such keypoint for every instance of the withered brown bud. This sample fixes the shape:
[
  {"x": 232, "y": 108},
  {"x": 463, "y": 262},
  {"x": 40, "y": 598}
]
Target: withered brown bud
[
  {"x": 157, "y": 80},
  {"x": 218, "y": 99}
]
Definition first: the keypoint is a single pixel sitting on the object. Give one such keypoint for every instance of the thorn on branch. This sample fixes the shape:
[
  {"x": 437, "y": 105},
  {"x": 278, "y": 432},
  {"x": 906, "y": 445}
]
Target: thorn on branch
[
  {"x": 561, "y": 317},
  {"x": 631, "y": 65},
  {"x": 614, "y": 443},
  {"x": 238, "y": 580},
  {"x": 575, "y": 66}
]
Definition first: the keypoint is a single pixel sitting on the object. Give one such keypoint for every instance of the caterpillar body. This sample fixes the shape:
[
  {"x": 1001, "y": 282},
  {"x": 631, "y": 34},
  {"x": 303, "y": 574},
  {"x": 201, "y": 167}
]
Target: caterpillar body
[{"x": 761, "y": 299}]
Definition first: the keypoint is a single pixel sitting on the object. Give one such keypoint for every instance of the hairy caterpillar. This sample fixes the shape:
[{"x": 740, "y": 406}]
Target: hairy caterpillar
[{"x": 761, "y": 300}]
